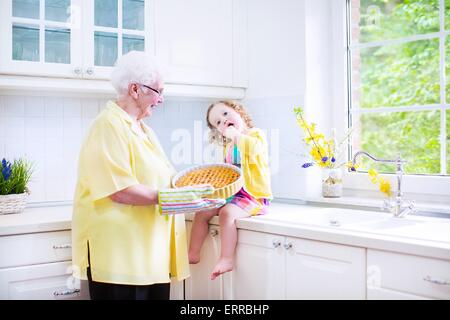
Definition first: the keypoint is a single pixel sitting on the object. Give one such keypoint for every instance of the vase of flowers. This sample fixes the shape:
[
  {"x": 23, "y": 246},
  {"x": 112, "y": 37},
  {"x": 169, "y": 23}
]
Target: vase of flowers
[
  {"x": 14, "y": 178},
  {"x": 324, "y": 153},
  {"x": 332, "y": 182}
]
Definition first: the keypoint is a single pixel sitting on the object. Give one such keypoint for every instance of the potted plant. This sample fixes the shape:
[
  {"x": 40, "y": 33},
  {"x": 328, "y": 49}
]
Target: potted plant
[{"x": 14, "y": 178}]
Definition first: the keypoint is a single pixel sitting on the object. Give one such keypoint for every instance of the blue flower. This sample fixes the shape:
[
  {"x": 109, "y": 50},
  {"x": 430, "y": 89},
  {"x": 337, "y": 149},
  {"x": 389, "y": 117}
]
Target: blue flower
[
  {"x": 333, "y": 159},
  {"x": 307, "y": 164},
  {"x": 324, "y": 159},
  {"x": 352, "y": 169},
  {"x": 6, "y": 169}
]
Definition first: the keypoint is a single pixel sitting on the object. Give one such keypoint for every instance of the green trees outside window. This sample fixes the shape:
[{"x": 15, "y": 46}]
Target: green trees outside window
[{"x": 397, "y": 104}]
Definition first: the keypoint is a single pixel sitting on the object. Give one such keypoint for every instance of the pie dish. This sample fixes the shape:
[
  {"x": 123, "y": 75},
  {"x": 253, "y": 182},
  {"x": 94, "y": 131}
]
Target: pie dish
[{"x": 225, "y": 178}]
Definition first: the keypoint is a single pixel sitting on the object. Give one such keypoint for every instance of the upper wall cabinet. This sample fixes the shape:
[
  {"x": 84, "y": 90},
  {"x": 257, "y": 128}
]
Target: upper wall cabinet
[
  {"x": 195, "y": 39},
  {"x": 202, "y": 42},
  {"x": 40, "y": 37},
  {"x": 113, "y": 28},
  {"x": 71, "y": 38}
]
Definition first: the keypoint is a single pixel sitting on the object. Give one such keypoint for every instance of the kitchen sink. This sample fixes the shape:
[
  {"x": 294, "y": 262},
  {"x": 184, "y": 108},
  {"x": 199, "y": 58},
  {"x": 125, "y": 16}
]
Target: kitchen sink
[
  {"x": 415, "y": 227},
  {"x": 386, "y": 224},
  {"x": 335, "y": 217},
  {"x": 434, "y": 231}
]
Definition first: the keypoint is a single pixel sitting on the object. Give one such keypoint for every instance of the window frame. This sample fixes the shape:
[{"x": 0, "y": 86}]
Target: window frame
[{"x": 430, "y": 187}]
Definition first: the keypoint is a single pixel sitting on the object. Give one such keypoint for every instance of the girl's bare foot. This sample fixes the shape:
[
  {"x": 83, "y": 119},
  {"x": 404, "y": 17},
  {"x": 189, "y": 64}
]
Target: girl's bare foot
[
  {"x": 194, "y": 257},
  {"x": 222, "y": 266}
]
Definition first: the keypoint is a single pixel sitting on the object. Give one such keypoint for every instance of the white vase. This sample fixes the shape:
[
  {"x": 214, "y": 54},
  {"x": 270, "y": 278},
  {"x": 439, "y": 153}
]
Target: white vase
[{"x": 332, "y": 182}]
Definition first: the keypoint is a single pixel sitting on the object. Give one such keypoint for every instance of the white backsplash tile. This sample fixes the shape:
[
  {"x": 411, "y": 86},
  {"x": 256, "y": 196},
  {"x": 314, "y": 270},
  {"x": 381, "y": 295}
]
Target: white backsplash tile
[
  {"x": 89, "y": 108},
  {"x": 14, "y": 147},
  {"x": 34, "y": 106},
  {"x": 34, "y": 127},
  {"x": 53, "y": 127},
  {"x": 49, "y": 131},
  {"x": 14, "y": 127},
  {"x": 71, "y": 108},
  {"x": 53, "y": 107},
  {"x": 2, "y": 126},
  {"x": 13, "y": 106}
]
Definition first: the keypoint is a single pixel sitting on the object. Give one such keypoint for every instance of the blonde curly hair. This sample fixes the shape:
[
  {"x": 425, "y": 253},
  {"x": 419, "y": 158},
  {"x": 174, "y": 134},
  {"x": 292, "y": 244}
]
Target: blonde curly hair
[{"x": 214, "y": 135}]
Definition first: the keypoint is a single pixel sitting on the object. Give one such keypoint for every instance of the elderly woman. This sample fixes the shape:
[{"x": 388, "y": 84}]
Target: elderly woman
[{"x": 126, "y": 240}]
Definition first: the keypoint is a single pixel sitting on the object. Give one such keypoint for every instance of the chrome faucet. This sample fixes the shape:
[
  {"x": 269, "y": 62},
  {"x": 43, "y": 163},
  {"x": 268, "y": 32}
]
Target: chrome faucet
[{"x": 398, "y": 207}]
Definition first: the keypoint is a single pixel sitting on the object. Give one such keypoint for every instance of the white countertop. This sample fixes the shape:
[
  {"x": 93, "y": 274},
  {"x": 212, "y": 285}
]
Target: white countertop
[
  {"x": 33, "y": 220},
  {"x": 46, "y": 219},
  {"x": 436, "y": 248}
]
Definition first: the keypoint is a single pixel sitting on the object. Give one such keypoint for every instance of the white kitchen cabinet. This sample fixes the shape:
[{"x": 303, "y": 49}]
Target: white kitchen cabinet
[
  {"x": 40, "y": 37},
  {"x": 402, "y": 276},
  {"x": 51, "y": 281},
  {"x": 195, "y": 39},
  {"x": 71, "y": 38},
  {"x": 113, "y": 28},
  {"x": 259, "y": 271},
  {"x": 177, "y": 290},
  {"x": 38, "y": 266},
  {"x": 199, "y": 286},
  {"x": 202, "y": 42},
  {"x": 271, "y": 266}
]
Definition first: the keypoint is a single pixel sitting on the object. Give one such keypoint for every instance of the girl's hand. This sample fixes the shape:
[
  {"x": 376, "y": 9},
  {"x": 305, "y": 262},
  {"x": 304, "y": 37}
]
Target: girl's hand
[{"x": 232, "y": 133}]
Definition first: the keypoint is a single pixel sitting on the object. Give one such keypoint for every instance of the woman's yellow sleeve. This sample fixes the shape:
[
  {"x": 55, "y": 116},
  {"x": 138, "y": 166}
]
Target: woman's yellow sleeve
[{"x": 108, "y": 161}]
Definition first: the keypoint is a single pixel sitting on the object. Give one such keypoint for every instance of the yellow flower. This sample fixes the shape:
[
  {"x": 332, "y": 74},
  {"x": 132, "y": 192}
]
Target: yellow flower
[
  {"x": 350, "y": 165},
  {"x": 385, "y": 187},
  {"x": 373, "y": 175},
  {"x": 316, "y": 153}
]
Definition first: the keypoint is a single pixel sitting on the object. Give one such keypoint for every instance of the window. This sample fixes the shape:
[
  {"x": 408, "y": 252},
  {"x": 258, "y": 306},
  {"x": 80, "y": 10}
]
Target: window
[{"x": 399, "y": 66}]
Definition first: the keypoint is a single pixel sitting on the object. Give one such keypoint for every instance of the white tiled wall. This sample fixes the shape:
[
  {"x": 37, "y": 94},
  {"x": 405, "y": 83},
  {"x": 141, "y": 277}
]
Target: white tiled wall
[
  {"x": 286, "y": 152},
  {"x": 49, "y": 131}
]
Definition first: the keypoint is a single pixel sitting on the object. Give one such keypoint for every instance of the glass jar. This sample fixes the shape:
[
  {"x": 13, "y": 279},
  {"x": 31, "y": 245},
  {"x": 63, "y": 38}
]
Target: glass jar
[{"x": 332, "y": 182}]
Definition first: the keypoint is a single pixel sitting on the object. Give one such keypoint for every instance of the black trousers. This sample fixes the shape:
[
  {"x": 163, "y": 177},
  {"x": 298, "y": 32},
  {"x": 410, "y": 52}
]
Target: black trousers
[{"x": 113, "y": 291}]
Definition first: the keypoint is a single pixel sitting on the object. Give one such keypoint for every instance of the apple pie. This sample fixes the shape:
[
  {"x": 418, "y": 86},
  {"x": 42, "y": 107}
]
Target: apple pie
[{"x": 225, "y": 178}]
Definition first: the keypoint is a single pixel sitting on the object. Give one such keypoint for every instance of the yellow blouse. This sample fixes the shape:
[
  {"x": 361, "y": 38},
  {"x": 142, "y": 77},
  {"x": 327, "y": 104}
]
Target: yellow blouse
[
  {"x": 127, "y": 244},
  {"x": 253, "y": 150}
]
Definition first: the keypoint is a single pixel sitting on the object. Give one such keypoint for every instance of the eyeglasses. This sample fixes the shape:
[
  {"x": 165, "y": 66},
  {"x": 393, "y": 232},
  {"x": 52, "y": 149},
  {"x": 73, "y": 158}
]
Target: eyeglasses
[{"x": 160, "y": 93}]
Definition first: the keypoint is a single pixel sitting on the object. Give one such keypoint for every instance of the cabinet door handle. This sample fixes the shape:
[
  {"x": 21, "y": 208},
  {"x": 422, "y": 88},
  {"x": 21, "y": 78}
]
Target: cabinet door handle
[
  {"x": 213, "y": 232},
  {"x": 65, "y": 292},
  {"x": 62, "y": 246},
  {"x": 90, "y": 71},
  {"x": 288, "y": 245},
  {"x": 77, "y": 70},
  {"x": 276, "y": 243},
  {"x": 436, "y": 281}
]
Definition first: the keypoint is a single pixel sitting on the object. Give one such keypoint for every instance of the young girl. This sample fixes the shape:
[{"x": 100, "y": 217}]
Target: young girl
[{"x": 246, "y": 147}]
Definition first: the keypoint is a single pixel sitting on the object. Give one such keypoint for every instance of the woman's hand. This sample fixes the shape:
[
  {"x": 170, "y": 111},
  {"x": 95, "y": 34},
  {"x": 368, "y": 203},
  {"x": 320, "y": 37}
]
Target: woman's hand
[{"x": 187, "y": 199}]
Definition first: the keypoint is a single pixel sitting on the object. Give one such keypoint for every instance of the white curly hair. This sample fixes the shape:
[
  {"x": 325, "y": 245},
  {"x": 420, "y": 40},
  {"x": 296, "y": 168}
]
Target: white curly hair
[{"x": 135, "y": 67}]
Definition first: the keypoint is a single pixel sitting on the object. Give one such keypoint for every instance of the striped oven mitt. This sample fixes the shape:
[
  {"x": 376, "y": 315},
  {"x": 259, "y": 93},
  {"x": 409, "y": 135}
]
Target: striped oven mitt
[{"x": 187, "y": 199}]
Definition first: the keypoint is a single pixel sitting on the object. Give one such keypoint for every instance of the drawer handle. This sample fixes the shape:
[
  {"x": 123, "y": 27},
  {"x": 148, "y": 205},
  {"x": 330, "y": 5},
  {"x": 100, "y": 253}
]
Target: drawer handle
[
  {"x": 62, "y": 246},
  {"x": 436, "y": 281},
  {"x": 288, "y": 245},
  {"x": 276, "y": 243},
  {"x": 65, "y": 292}
]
